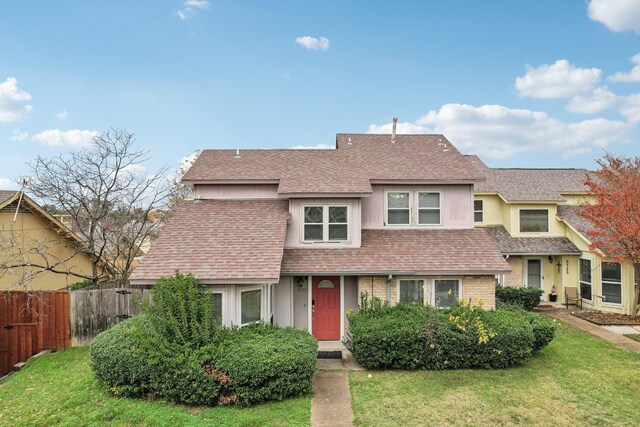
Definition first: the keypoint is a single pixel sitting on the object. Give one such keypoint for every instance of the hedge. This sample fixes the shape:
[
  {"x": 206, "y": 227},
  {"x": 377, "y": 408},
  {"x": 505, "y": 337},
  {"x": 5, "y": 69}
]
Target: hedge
[
  {"x": 419, "y": 337},
  {"x": 527, "y": 298},
  {"x": 185, "y": 358}
]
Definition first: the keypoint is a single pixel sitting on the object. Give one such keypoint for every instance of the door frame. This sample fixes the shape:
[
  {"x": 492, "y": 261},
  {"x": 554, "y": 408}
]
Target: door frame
[
  {"x": 526, "y": 273},
  {"x": 310, "y": 305}
]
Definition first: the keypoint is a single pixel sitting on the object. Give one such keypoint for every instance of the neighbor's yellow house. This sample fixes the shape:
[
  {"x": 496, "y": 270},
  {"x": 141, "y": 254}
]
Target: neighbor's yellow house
[
  {"x": 533, "y": 216},
  {"x": 34, "y": 242}
]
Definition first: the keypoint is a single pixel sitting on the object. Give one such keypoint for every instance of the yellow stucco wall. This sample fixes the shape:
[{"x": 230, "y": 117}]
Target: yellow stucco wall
[{"x": 33, "y": 230}]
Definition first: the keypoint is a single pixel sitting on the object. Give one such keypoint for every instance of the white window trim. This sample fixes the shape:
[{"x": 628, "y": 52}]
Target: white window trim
[
  {"x": 386, "y": 208},
  {"x": 325, "y": 222},
  {"x": 418, "y": 208},
  {"x": 241, "y": 290},
  {"x": 602, "y": 282},
  {"x": 534, "y": 232},
  {"x": 580, "y": 281},
  {"x": 224, "y": 292},
  {"x": 481, "y": 211},
  {"x": 429, "y": 287}
]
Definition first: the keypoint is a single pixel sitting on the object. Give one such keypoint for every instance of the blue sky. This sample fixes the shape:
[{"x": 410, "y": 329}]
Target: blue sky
[{"x": 541, "y": 84}]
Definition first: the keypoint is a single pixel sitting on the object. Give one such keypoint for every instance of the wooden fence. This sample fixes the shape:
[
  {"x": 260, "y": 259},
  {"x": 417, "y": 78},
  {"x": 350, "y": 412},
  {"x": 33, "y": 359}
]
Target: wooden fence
[
  {"x": 95, "y": 310},
  {"x": 31, "y": 322}
]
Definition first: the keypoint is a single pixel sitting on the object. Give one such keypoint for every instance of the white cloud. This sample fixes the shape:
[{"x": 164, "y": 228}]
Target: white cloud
[
  {"x": 617, "y": 15},
  {"x": 402, "y": 127},
  {"x": 314, "y": 147},
  {"x": 599, "y": 99},
  {"x": 559, "y": 80},
  {"x": 70, "y": 138},
  {"x": 631, "y": 76},
  {"x": 313, "y": 43},
  {"x": 499, "y": 132},
  {"x": 14, "y": 102},
  {"x": 631, "y": 108},
  {"x": 19, "y": 136},
  {"x": 62, "y": 114},
  {"x": 191, "y": 8},
  {"x": 8, "y": 184}
]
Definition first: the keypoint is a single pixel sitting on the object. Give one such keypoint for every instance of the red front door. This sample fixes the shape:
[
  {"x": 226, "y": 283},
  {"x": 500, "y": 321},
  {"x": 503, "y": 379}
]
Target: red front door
[{"x": 326, "y": 307}]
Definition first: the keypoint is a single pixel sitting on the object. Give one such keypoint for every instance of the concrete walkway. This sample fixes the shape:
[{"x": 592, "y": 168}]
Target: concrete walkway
[
  {"x": 331, "y": 403},
  {"x": 565, "y": 316}
]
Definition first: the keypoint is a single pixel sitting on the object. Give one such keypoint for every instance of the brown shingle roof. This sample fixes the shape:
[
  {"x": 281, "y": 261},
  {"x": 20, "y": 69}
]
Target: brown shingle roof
[
  {"x": 220, "y": 240},
  {"x": 571, "y": 214},
  {"x": 530, "y": 184},
  {"x": 6, "y": 194},
  {"x": 431, "y": 252},
  {"x": 346, "y": 169},
  {"x": 531, "y": 245}
]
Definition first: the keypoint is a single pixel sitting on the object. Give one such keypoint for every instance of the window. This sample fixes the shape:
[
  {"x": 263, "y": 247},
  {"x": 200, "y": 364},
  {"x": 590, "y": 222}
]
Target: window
[
  {"x": 428, "y": 208},
  {"x": 326, "y": 223},
  {"x": 447, "y": 291},
  {"x": 478, "y": 211},
  {"x": 250, "y": 306},
  {"x": 534, "y": 220},
  {"x": 411, "y": 291},
  {"x": 585, "y": 279},
  {"x": 398, "y": 208},
  {"x": 611, "y": 282},
  {"x": 217, "y": 306}
]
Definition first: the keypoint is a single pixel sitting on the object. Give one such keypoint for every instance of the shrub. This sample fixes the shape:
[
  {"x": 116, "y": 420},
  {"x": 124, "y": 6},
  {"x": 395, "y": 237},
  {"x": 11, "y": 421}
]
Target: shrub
[
  {"x": 418, "y": 337},
  {"x": 527, "y": 298},
  {"x": 184, "y": 357}
]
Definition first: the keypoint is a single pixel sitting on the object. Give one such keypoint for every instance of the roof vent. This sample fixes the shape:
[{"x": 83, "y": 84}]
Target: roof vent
[
  {"x": 440, "y": 142},
  {"x": 445, "y": 148},
  {"x": 349, "y": 141},
  {"x": 393, "y": 130},
  {"x": 237, "y": 154}
]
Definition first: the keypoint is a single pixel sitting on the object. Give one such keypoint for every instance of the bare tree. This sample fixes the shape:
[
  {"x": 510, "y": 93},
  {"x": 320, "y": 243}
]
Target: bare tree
[{"x": 105, "y": 190}]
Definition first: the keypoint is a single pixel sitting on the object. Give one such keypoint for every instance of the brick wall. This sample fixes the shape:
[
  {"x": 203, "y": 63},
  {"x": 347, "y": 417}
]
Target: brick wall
[
  {"x": 515, "y": 278},
  {"x": 483, "y": 287},
  {"x": 472, "y": 287}
]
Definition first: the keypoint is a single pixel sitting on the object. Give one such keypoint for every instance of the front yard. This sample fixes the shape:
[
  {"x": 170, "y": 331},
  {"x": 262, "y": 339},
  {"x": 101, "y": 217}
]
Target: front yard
[
  {"x": 60, "y": 389},
  {"x": 577, "y": 380}
]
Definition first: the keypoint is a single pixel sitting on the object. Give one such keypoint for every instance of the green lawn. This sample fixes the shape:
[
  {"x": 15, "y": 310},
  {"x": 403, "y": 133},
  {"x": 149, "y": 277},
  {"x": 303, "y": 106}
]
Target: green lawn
[
  {"x": 577, "y": 380},
  {"x": 60, "y": 389}
]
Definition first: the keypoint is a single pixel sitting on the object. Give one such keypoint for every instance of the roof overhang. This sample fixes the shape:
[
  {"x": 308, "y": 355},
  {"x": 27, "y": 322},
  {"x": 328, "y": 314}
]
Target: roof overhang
[
  {"x": 147, "y": 282},
  {"x": 400, "y": 273},
  {"x": 425, "y": 181}
]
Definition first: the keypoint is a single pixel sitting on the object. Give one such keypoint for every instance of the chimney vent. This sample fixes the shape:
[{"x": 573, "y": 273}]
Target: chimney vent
[
  {"x": 393, "y": 131},
  {"x": 237, "y": 156},
  {"x": 349, "y": 141}
]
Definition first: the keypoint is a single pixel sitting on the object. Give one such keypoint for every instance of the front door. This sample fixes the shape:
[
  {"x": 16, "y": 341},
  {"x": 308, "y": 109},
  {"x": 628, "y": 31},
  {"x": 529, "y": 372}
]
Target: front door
[
  {"x": 325, "y": 306},
  {"x": 534, "y": 273}
]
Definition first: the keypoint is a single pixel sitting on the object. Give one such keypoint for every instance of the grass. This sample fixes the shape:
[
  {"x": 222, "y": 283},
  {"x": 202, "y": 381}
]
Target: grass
[
  {"x": 578, "y": 379},
  {"x": 60, "y": 389}
]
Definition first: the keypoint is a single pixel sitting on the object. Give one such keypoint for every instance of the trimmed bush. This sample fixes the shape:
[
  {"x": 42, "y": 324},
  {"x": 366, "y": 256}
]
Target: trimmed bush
[
  {"x": 419, "y": 337},
  {"x": 527, "y": 298},
  {"x": 184, "y": 357}
]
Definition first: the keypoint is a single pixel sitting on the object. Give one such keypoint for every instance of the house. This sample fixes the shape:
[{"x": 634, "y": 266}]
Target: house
[
  {"x": 36, "y": 250},
  {"x": 533, "y": 216},
  {"x": 297, "y": 236}
]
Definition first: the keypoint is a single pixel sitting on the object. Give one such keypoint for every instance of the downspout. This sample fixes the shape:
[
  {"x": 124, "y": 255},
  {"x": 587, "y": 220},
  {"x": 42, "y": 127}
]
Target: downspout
[{"x": 389, "y": 279}]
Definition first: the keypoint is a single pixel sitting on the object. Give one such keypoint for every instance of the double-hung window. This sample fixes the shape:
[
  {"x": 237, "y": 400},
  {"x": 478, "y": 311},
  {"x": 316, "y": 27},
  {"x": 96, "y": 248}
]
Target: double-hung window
[
  {"x": 250, "y": 306},
  {"x": 428, "y": 208},
  {"x": 398, "y": 210},
  {"x": 326, "y": 223},
  {"x": 411, "y": 291},
  {"x": 478, "y": 211},
  {"x": 534, "y": 220},
  {"x": 612, "y": 282},
  {"x": 585, "y": 279}
]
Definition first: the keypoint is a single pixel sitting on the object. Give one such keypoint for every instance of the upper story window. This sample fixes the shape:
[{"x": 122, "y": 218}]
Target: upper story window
[
  {"x": 413, "y": 208},
  {"x": 534, "y": 220},
  {"x": 478, "y": 211},
  {"x": 326, "y": 223},
  {"x": 612, "y": 282}
]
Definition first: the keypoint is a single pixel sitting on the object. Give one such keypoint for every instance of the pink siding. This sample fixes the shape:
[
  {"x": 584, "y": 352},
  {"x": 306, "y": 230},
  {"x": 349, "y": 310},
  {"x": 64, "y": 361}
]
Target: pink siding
[
  {"x": 237, "y": 191},
  {"x": 456, "y": 205},
  {"x": 294, "y": 227}
]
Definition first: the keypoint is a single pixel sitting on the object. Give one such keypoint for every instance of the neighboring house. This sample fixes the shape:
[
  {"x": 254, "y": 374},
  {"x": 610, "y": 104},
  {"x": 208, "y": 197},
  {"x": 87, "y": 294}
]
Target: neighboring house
[
  {"x": 297, "y": 236},
  {"x": 533, "y": 216},
  {"x": 39, "y": 239}
]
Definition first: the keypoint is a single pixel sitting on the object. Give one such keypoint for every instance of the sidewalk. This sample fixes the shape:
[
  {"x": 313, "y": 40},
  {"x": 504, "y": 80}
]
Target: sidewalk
[
  {"x": 331, "y": 403},
  {"x": 563, "y": 315}
]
